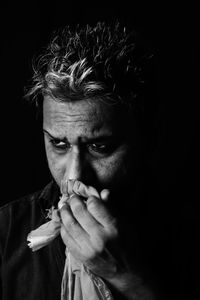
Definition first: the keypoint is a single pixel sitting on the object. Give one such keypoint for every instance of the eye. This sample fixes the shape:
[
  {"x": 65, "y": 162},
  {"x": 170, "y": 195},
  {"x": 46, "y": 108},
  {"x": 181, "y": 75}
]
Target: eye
[
  {"x": 59, "y": 144},
  {"x": 101, "y": 148}
]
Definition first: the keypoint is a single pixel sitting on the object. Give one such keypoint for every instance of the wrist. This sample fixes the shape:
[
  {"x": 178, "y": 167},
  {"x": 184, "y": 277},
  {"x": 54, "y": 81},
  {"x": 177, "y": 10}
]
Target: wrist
[{"x": 128, "y": 286}]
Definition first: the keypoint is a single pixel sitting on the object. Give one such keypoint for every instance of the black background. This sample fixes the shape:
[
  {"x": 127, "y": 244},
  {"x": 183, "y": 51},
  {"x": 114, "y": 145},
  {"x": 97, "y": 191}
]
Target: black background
[
  {"x": 173, "y": 31},
  {"x": 173, "y": 164}
]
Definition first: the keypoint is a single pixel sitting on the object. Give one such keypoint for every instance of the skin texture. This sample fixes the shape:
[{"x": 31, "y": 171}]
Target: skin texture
[
  {"x": 84, "y": 141},
  {"x": 80, "y": 123}
]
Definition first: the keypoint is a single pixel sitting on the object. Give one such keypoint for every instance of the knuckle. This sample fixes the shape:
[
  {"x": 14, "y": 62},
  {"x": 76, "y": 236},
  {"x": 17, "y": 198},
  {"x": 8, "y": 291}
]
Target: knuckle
[
  {"x": 99, "y": 241},
  {"x": 100, "y": 247},
  {"x": 94, "y": 252},
  {"x": 77, "y": 208},
  {"x": 88, "y": 251},
  {"x": 68, "y": 221},
  {"x": 91, "y": 253},
  {"x": 71, "y": 223},
  {"x": 92, "y": 203},
  {"x": 77, "y": 205},
  {"x": 112, "y": 231}
]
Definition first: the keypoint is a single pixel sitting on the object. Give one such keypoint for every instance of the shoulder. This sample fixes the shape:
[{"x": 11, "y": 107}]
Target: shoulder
[
  {"x": 29, "y": 200},
  {"x": 18, "y": 205},
  {"x": 25, "y": 200},
  {"x": 20, "y": 216}
]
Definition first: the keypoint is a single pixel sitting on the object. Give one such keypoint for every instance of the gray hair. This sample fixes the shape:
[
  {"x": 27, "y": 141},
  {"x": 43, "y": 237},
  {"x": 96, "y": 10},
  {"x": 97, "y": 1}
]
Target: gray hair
[{"x": 87, "y": 62}]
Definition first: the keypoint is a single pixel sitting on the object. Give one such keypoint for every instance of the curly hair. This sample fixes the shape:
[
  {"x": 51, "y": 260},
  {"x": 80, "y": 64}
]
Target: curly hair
[{"x": 87, "y": 62}]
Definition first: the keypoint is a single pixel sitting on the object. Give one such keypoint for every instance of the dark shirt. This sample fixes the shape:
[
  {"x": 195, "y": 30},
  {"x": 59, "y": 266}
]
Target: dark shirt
[
  {"x": 38, "y": 275},
  {"x": 26, "y": 274}
]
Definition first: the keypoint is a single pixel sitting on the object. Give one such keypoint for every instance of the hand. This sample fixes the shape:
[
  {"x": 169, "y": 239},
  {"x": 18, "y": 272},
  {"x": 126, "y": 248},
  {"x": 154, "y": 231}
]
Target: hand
[
  {"x": 88, "y": 230},
  {"x": 90, "y": 233}
]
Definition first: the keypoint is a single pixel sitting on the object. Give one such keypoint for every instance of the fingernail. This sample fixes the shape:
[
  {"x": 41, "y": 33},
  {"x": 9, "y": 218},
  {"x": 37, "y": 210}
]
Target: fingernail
[{"x": 105, "y": 194}]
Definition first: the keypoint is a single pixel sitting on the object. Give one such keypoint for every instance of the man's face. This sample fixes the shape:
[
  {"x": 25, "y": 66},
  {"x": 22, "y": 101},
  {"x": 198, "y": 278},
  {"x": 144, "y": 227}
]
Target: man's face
[{"x": 84, "y": 141}]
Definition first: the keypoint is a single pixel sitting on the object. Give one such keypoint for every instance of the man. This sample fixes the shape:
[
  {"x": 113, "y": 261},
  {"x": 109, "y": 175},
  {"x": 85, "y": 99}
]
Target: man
[{"x": 90, "y": 84}]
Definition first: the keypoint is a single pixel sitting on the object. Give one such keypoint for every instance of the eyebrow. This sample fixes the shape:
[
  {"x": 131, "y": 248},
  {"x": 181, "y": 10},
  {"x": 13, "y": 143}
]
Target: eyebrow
[
  {"x": 53, "y": 137},
  {"x": 103, "y": 137}
]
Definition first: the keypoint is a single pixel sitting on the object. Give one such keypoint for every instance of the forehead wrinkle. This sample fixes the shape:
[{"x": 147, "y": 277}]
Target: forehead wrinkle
[
  {"x": 82, "y": 133},
  {"x": 64, "y": 116},
  {"x": 94, "y": 118},
  {"x": 81, "y": 129},
  {"x": 67, "y": 117}
]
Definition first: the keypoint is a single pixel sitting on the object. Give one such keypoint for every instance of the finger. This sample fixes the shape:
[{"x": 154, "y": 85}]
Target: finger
[
  {"x": 68, "y": 239},
  {"x": 98, "y": 210},
  {"x": 70, "y": 224},
  {"x": 73, "y": 186},
  {"x": 79, "y": 245},
  {"x": 105, "y": 195},
  {"x": 82, "y": 215}
]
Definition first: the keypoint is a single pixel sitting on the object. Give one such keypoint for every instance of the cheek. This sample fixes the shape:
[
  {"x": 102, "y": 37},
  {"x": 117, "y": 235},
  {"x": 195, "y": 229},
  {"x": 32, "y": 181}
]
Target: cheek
[
  {"x": 55, "y": 165},
  {"x": 112, "y": 169}
]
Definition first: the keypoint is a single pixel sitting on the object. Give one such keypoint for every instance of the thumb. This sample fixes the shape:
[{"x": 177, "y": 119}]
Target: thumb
[{"x": 105, "y": 195}]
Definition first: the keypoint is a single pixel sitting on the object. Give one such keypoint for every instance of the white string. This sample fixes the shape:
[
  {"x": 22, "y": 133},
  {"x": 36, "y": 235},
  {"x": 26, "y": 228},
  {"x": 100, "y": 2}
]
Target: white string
[
  {"x": 66, "y": 284},
  {"x": 69, "y": 276}
]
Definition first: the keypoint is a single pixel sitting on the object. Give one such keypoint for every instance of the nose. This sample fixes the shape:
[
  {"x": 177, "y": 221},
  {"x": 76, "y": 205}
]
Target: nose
[{"x": 73, "y": 168}]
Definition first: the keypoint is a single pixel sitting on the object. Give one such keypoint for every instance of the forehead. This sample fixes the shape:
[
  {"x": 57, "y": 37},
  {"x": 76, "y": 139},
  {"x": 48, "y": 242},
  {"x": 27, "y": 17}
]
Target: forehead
[{"x": 84, "y": 116}]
